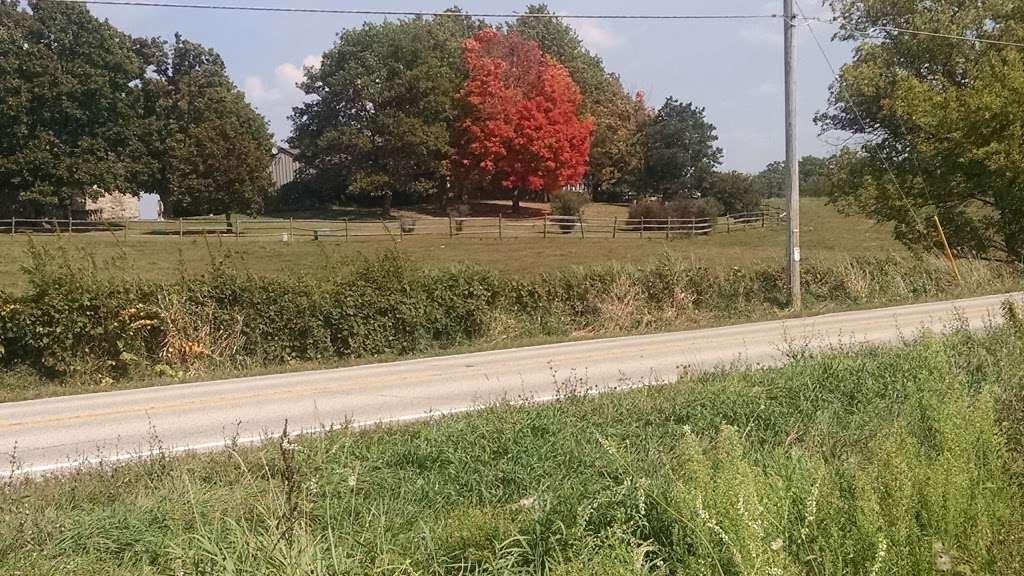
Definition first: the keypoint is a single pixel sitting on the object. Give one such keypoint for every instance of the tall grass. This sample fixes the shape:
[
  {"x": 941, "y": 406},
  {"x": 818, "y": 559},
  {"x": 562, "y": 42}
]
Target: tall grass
[
  {"x": 879, "y": 461},
  {"x": 77, "y": 323}
]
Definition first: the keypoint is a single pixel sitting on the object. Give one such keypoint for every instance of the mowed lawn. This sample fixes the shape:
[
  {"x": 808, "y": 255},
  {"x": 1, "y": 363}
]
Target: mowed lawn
[{"x": 826, "y": 234}]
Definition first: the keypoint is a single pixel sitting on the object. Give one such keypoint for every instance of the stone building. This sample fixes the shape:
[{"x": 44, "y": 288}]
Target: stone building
[{"x": 106, "y": 206}]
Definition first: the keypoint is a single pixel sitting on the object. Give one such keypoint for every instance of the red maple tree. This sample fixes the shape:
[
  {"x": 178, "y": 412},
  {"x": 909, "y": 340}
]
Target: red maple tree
[{"x": 517, "y": 127}]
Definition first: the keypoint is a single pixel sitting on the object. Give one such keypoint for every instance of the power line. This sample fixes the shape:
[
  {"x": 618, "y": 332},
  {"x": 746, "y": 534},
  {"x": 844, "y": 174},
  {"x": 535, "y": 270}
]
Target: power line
[
  {"x": 293, "y": 10},
  {"x": 875, "y": 29}
]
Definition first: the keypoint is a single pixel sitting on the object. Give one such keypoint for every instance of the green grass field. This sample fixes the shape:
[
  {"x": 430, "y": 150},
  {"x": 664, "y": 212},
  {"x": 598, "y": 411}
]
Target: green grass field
[
  {"x": 827, "y": 236},
  {"x": 904, "y": 461}
]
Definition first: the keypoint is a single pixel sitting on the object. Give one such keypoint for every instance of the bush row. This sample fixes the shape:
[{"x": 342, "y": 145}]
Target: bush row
[{"x": 76, "y": 321}]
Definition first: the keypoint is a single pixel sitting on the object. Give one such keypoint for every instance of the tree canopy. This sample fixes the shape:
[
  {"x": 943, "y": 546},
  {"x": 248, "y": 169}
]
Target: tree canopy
[
  {"x": 618, "y": 116},
  {"x": 814, "y": 180},
  {"x": 940, "y": 120},
  {"x": 680, "y": 155},
  {"x": 86, "y": 108},
  {"x": 735, "y": 191},
  {"x": 69, "y": 117},
  {"x": 377, "y": 120},
  {"x": 518, "y": 127},
  {"x": 214, "y": 148}
]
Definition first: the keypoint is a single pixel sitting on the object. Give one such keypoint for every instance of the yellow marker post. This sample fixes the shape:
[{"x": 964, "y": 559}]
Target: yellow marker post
[{"x": 949, "y": 253}]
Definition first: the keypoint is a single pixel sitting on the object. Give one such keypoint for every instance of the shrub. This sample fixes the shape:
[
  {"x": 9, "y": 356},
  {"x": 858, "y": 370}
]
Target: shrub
[
  {"x": 568, "y": 204},
  {"x": 737, "y": 192},
  {"x": 681, "y": 209}
]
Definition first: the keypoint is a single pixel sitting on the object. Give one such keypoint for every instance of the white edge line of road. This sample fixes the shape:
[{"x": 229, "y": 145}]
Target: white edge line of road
[
  {"x": 257, "y": 439},
  {"x": 425, "y": 416}
]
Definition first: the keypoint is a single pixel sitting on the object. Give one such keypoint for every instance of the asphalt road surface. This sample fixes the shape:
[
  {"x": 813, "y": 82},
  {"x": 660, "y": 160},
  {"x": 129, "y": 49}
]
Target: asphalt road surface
[{"x": 55, "y": 434}]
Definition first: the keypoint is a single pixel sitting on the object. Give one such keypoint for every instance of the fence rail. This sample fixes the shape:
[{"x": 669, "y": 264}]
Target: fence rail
[{"x": 452, "y": 227}]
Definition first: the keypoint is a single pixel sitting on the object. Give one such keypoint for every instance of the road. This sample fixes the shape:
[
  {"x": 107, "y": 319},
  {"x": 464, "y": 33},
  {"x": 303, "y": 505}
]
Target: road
[{"x": 53, "y": 434}]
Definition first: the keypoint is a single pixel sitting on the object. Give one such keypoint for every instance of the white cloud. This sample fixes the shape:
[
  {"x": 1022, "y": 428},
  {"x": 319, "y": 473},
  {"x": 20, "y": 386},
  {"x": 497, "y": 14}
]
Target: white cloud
[
  {"x": 288, "y": 74},
  {"x": 275, "y": 94},
  {"x": 597, "y": 36},
  {"x": 313, "y": 61},
  {"x": 258, "y": 91}
]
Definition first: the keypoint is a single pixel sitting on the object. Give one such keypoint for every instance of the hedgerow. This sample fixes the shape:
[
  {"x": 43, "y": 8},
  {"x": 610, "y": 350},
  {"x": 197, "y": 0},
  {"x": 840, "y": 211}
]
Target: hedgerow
[{"x": 75, "y": 322}]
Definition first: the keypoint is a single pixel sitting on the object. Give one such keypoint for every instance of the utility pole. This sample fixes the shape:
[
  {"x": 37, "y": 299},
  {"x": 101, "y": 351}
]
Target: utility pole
[{"x": 792, "y": 162}]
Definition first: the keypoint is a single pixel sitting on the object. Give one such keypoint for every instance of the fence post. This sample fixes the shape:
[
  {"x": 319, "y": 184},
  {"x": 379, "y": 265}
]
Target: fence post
[
  {"x": 762, "y": 219},
  {"x": 693, "y": 226},
  {"x": 401, "y": 229},
  {"x": 12, "y": 226},
  {"x": 583, "y": 229},
  {"x": 499, "y": 226},
  {"x": 238, "y": 228},
  {"x": 451, "y": 227},
  {"x": 728, "y": 223},
  {"x": 346, "y": 229},
  {"x": 181, "y": 229},
  {"x": 668, "y": 228},
  {"x": 125, "y": 229},
  {"x": 615, "y": 226},
  {"x": 641, "y": 227},
  {"x": 291, "y": 223},
  {"x": 545, "y": 226}
]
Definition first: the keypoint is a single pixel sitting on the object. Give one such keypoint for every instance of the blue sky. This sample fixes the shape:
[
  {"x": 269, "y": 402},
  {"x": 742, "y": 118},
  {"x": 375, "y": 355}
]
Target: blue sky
[{"x": 733, "y": 68}]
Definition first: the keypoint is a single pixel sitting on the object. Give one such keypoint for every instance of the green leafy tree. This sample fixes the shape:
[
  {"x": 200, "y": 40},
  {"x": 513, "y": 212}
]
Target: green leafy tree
[
  {"x": 619, "y": 117},
  {"x": 814, "y": 179},
  {"x": 680, "y": 155},
  {"x": 941, "y": 121},
  {"x": 377, "y": 122},
  {"x": 69, "y": 117},
  {"x": 735, "y": 191},
  {"x": 814, "y": 176},
  {"x": 213, "y": 148}
]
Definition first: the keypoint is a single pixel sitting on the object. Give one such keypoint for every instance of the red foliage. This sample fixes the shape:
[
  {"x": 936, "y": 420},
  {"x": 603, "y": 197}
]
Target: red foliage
[{"x": 518, "y": 125}]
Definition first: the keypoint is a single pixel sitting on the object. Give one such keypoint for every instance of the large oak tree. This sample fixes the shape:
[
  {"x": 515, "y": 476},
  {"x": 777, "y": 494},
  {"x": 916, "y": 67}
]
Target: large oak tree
[
  {"x": 69, "y": 112},
  {"x": 209, "y": 150},
  {"x": 379, "y": 108},
  {"x": 87, "y": 108}
]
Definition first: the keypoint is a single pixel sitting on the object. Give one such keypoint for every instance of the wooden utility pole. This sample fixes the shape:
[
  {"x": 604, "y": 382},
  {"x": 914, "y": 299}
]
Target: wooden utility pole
[{"x": 792, "y": 162}]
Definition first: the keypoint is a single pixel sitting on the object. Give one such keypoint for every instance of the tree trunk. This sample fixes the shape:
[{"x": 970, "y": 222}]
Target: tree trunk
[
  {"x": 230, "y": 225},
  {"x": 515, "y": 201},
  {"x": 386, "y": 208}
]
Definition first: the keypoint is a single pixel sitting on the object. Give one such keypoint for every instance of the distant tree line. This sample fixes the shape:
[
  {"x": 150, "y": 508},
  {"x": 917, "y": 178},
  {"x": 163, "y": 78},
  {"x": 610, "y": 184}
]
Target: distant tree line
[
  {"x": 87, "y": 108},
  {"x": 439, "y": 109}
]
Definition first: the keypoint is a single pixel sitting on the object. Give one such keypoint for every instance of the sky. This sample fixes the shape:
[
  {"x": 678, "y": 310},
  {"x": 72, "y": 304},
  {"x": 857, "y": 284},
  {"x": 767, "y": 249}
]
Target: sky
[{"x": 732, "y": 68}]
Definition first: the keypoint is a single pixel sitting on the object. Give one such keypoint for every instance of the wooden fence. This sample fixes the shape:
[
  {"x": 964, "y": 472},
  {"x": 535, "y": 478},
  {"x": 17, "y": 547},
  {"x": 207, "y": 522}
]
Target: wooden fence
[{"x": 496, "y": 227}]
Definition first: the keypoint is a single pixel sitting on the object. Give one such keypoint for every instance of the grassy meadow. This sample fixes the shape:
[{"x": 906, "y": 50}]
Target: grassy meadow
[
  {"x": 827, "y": 237},
  {"x": 906, "y": 461}
]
